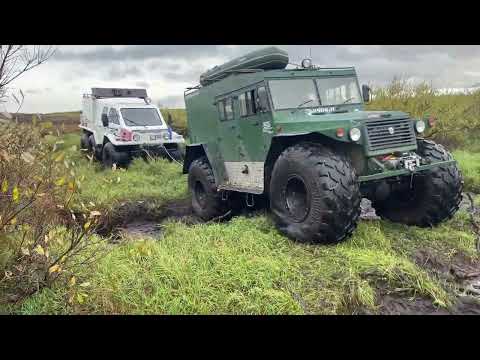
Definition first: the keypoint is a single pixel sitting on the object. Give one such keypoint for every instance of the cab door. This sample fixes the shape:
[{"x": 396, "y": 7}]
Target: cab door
[
  {"x": 228, "y": 130},
  {"x": 246, "y": 140},
  {"x": 113, "y": 121},
  {"x": 255, "y": 124}
]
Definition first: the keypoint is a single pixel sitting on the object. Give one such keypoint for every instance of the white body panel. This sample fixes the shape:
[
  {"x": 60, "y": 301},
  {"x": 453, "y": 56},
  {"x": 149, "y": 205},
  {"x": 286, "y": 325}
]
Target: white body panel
[
  {"x": 91, "y": 120},
  {"x": 245, "y": 175}
]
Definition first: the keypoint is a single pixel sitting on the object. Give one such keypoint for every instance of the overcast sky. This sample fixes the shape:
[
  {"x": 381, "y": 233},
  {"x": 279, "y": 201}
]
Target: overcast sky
[{"x": 166, "y": 70}]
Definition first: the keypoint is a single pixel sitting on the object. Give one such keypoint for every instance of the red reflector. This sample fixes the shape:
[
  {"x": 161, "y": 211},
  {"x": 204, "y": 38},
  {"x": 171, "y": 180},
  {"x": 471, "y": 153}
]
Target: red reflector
[
  {"x": 125, "y": 135},
  {"x": 432, "y": 121},
  {"x": 340, "y": 132}
]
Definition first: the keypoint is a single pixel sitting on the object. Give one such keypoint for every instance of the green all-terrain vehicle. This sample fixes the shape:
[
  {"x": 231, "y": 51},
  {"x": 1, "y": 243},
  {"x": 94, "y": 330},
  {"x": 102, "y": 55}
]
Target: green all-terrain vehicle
[{"x": 301, "y": 139}]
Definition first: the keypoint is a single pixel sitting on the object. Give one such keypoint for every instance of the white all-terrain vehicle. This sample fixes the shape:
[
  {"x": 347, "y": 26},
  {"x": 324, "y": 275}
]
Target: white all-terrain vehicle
[{"x": 118, "y": 124}]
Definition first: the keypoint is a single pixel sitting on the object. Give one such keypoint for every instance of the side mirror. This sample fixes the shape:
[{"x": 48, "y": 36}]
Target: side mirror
[
  {"x": 105, "y": 120},
  {"x": 366, "y": 93}
]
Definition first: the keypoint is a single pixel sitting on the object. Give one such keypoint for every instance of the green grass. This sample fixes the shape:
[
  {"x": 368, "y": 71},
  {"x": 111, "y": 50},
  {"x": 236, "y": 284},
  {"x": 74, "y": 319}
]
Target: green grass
[
  {"x": 158, "y": 180},
  {"x": 470, "y": 165},
  {"x": 178, "y": 119},
  {"x": 246, "y": 267}
]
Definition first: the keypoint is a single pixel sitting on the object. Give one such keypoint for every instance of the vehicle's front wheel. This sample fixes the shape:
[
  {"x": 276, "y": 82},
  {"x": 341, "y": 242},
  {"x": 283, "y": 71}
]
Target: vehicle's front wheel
[
  {"x": 85, "y": 142},
  {"x": 110, "y": 156},
  {"x": 434, "y": 196},
  {"x": 207, "y": 202},
  {"x": 314, "y": 194}
]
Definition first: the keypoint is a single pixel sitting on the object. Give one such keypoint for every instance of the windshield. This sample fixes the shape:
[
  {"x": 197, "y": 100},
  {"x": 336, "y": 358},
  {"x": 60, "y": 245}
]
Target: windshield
[
  {"x": 141, "y": 117},
  {"x": 302, "y": 93},
  {"x": 290, "y": 94},
  {"x": 338, "y": 91}
]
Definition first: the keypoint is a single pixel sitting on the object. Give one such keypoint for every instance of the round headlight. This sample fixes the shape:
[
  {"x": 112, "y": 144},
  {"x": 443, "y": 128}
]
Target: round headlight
[
  {"x": 420, "y": 126},
  {"x": 306, "y": 63},
  {"x": 355, "y": 134}
]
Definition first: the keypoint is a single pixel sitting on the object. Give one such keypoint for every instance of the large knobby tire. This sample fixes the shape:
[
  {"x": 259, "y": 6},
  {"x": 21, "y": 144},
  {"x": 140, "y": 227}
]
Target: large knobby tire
[
  {"x": 85, "y": 142},
  {"x": 94, "y": 149},
  {"x": 110, "y": 156},
  {"x": 207, "y": 202},
  {"x": 314, "y": 194},
  {"x": 435, "y": 195}
]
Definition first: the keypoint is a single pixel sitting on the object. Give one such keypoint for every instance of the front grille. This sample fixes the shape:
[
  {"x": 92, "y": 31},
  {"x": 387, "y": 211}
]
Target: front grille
[
  {"x": 153, "y": 132},
  {"x": 379, "y": 134}
]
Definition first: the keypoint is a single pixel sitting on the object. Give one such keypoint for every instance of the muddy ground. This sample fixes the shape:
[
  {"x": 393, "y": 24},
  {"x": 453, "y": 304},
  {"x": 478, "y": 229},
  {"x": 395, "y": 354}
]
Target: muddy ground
[{"x": 460, "y": 273}]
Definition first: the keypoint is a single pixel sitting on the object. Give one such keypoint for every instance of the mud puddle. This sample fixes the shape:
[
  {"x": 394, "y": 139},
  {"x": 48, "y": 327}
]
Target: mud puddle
[
  {"x": 144, "y": 218},
  {"x": 461, "y": 275}
]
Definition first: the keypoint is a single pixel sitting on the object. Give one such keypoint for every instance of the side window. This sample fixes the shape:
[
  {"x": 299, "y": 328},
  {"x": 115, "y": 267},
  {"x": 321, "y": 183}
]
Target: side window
[
  {"x": 113, "y": 116},
  {"x": 242, "y": 103},
  {"x": 262, "y": 99},
  {"x": 225, "y": 109},
  {"x": 251, "y": 103},
  {"x": 229, "y": 109},
  {"x": 221, "y": 109}
]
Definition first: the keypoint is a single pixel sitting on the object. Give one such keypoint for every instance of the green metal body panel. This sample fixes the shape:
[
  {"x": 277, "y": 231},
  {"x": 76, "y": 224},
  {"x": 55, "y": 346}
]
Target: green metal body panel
[{"x": 247, "y": 140}]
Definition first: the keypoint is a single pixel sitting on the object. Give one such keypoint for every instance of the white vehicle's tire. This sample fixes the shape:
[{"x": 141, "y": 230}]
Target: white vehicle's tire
[
  {"x": 85, "y": 142},
  {"x": 94, "y": 150},
  {"x": 110, "y": 156}
]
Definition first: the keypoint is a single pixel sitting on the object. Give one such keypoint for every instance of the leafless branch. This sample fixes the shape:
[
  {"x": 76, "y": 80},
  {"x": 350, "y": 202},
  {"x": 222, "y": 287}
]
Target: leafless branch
[{"x": 15, "y": 60}]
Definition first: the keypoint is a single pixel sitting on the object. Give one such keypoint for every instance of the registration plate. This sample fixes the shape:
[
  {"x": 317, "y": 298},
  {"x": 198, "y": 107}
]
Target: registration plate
[{"x": 156, "y": 137}]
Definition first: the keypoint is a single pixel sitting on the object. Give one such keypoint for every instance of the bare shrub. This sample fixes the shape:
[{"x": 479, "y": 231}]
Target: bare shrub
[
  {"x": 15, "y": 60},
  {"x": 41, "y": 238}
]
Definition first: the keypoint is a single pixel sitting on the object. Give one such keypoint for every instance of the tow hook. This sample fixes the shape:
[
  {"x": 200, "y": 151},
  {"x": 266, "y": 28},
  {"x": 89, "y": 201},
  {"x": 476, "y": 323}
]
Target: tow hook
[
  {"x": 225, "y": 195},
  {"x": 250, "y": 200}
]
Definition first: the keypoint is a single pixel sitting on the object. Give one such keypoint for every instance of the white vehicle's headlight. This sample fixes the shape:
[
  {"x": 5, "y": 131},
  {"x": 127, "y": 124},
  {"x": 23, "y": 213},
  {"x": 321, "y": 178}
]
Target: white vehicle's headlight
[
  {"x": 420, "y": 126},
  {"x": 355, "y": 134}
]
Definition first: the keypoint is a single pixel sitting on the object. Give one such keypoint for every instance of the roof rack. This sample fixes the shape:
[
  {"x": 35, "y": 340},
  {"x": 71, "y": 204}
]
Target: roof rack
[{"x": 100, "y": 93}]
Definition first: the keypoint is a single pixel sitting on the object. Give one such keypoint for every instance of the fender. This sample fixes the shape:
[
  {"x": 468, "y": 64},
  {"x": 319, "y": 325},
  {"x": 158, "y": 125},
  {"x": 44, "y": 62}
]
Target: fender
[{"x": 193, "y": 151}]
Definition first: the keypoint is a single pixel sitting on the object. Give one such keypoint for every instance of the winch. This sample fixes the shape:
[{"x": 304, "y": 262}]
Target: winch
[{"x": 408, "y": 161}]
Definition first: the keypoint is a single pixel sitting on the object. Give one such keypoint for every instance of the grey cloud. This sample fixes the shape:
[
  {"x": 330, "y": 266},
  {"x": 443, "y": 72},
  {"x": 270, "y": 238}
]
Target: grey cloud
[
  {"x": 118, "y": 72},
  {"x": 140, "y": 52},
  {"x": 33, "y": 91},
  {"x": 443, "y": 65},
  {"x": 142, "y": 84}
]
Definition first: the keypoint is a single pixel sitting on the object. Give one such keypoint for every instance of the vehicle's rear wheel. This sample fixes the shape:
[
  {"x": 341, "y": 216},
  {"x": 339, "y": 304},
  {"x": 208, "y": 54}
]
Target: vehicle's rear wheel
[
  {"x": 314, "y": 194},
  {"x": 85, "y": 142},
  {"x": 434, "y": 196},
  {"x": 207, "y": 202},
  {"x": 94, "y": 149},
  {"x": 110, "y": 156}
]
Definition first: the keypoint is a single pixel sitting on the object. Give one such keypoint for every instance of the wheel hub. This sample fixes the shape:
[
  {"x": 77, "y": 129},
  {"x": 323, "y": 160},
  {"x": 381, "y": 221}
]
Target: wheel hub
[{"x": 296, "y": 199}]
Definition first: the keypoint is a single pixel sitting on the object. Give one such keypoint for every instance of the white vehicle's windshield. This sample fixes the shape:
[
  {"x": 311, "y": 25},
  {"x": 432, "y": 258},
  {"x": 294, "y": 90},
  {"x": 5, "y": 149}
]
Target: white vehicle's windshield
[
  {"x": 304, "y": 93},
  {"x": 141, "y": 117}
]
